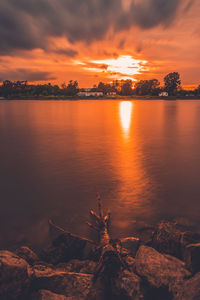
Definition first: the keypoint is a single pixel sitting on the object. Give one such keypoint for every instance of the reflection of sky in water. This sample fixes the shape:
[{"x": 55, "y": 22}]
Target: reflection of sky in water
[
  {"x": 142, "y": 156},
  {"x": 126, "y": 109}
]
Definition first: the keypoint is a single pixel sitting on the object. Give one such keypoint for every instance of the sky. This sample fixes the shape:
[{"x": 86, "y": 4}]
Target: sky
[{"x": 99, "y": 40}]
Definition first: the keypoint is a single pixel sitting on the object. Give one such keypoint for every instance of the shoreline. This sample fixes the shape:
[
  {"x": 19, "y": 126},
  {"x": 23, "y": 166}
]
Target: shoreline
[
  {"x": 160, "y": 263},
  {"x": 123, "y": 98}
]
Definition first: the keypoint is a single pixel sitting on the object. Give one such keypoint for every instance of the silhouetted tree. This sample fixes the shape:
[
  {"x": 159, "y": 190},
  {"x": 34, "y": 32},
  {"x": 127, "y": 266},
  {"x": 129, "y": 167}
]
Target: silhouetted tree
[
  {"x": 197, "y": 91},
  {"x": 126, "y": 87},
  {"x": 147, "y": 87},
  {"x": 106, "y": 88},
  {"x": 71, "y": 89},
  {"x": 172, "y": 83}
]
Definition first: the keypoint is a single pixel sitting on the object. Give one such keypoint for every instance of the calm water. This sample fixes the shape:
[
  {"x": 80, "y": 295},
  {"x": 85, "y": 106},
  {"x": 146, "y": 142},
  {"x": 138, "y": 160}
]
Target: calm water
[{"x": 142, "y": 156}]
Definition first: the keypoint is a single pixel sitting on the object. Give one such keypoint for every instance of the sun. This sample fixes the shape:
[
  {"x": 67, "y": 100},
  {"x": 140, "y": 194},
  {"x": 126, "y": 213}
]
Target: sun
[{"x": 123, "y": 67}]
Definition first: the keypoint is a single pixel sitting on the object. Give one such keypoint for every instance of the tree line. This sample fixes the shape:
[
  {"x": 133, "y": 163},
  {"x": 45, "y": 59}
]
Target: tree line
[{"x": 152, "y": 87}]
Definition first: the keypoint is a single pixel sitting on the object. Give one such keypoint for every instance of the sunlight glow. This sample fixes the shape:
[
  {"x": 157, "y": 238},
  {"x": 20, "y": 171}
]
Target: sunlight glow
[
  {"x": 124, "y": 67},
  {"x": 126, "y": 109}
]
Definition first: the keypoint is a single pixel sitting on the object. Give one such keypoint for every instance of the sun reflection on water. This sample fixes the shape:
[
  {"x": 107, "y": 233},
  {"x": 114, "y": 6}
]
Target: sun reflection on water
[{"x": 126, "y": 110}]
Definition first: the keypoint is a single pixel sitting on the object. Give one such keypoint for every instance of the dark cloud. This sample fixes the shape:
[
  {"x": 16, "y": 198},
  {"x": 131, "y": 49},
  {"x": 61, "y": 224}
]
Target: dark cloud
[
  {"x": 67, "y": 52},
  {"x": 24, "y": 74},
  {"x": 121, "y": 44},
  {"x": 189, "y": 5},
  {"x": 26, "y": 24},
  {"x": 104, "y": 67}
]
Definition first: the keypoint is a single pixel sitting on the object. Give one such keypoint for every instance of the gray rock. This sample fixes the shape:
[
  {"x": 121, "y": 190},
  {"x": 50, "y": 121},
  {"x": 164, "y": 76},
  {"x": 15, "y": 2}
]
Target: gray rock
[
  {"x": 158, "y": 269},
  {"x": 47, "y": 295},
  {"x": 166, "y": 239},
  {"x": 131, "y": 244},
  {"x": 15, "y": 275},
  {"x": 67, "y": 247},
  {"x": 78, "y": 266},
  {"x": 192, "y": 257},
  {"x": 171, "y": 239},
  {"x": 75, "y": 285},
  {"x": 127, "y": 286},
  {"x": 27, "y": 254},
  {"x": 189, "y": 290}
]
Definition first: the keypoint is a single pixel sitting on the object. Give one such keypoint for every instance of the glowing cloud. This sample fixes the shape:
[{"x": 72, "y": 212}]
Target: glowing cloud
[{"x": 123, "y": 67}]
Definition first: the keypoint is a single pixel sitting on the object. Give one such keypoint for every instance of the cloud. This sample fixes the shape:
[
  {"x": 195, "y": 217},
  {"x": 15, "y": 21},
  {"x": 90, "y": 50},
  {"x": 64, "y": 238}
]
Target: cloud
[
  {"x": 28, "y": 24},
  {"x": 24, "y": 74},
  {"x": 67, "y": 52},
  {"x": 189, "y": 5}
]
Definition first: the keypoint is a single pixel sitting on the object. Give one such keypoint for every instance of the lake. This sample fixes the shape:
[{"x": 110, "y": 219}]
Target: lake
[{"x": 143, "y": 157}]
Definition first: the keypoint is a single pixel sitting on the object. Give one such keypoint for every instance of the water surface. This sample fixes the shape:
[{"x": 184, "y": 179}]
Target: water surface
[{"x": 142, "y": 156}]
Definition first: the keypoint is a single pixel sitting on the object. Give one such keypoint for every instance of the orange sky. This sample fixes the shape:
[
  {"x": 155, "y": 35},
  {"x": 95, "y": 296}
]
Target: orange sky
[{"x": 136, "y": 50}]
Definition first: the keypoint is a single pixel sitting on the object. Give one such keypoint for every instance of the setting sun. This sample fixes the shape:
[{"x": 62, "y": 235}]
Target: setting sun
[{"x": 124, "y": 67}]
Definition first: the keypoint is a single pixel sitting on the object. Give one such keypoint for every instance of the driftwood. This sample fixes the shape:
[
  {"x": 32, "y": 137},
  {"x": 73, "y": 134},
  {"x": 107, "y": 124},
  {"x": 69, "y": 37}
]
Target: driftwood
[
  {"x": 111, "y": 260},
  {"x": 111, "y": 257}
]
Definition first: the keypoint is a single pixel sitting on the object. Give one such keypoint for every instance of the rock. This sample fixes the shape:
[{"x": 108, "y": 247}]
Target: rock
[
  {"x": 158, "y": 269},
  {"x": 192, "y": 257},
  {"x": 47, "y": 295},
  {"x": 167, "y": 239},
  {"x": 131, "y": 244},
  {"x": 127, "y": 286},
  {"x": 27, "y": 254},
  {"x": 75, "y": 285},
  {"x": 189, "y": 290},
  {"x": 15, "y": 275},
  {"x": 78, "y": 266},
  {"x": 67, "y": 247}
]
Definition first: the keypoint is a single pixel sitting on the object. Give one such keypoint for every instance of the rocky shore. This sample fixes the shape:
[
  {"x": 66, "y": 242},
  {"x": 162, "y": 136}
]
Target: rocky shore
[{"x": 162, "y": 263}]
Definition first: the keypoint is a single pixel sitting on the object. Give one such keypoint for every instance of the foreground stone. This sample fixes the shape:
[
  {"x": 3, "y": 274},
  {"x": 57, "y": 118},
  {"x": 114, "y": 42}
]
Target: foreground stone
[
  {"x": 170, "y": 239},
  {"x": 158, "y": 269},
  {"x": 47, "y": 295},
  {"x": 78, "y": 266},
  {"x": 189, "y": 290},
  {"x": 15, "y": 275},
  {"x": 27, "y": 254},
  {"x": 67, "y": 247},
  {"x": 75, "y": 285},
  {"x": 166, "y": 239},
  {"x": 127, "y": 286},
  {"x": 192, "y": 257}
]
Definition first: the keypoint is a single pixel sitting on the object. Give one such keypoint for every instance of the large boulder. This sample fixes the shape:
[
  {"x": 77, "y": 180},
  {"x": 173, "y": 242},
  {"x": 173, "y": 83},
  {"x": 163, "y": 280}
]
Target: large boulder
[
  {"x": 172, "y": 239},
  {"x": 47, "y": 295},
  {"x": 131, "y": 244},
  {"x": 15, "y": 276},
  {"x": 189, "y": 290},
  {"x": 166, "y": 239},
  {"x": 192, "y": 257},
  {"x": 78, "y": 266},
  {"x": 27, "y": 254},
  {"x": 75, "y": 285},
  {"x": 67, "y": 247},
  {"x": 127, "y": 285},
  {"x": 158, "y": 269}
]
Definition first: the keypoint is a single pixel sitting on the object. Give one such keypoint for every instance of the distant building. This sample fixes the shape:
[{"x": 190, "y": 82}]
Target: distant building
[
  {"x": 163, "y": 94},
  {"x": 89, "y": 93},
  {"x": 111, "y": 94}
]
